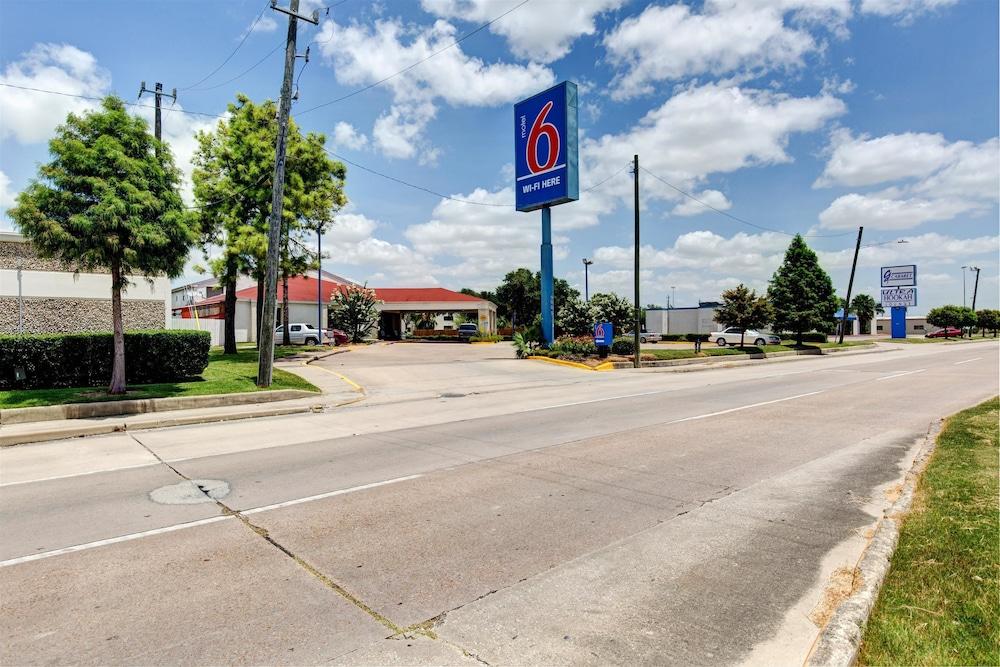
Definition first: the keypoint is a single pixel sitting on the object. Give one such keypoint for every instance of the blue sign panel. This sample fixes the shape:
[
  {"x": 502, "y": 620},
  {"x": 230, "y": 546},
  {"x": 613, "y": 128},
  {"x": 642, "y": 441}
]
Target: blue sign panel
[
  {"x": 898, "y": 322},
  {"x": 604, "y": 334},
  {"x": 546, "y": 158}
]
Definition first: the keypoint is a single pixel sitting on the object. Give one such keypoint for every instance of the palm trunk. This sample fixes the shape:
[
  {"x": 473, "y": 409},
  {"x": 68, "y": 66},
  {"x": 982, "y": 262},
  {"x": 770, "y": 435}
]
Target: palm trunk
[
  {"x": 286, "y": 338},
  {"x": 118, "y": 362},
  {"x": 230, "y": 312}
]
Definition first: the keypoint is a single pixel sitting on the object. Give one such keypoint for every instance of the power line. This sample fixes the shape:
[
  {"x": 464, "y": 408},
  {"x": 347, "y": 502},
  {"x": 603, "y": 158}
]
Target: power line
[
  {"x": 733, "y": 217},
  {"x": 242, "y": 74},
  {"x": 236, "y": 194},
  {"x": 238, "y": 46},
  {"x": 419, "y": 62},
  {"x": 99, "y": 99}
]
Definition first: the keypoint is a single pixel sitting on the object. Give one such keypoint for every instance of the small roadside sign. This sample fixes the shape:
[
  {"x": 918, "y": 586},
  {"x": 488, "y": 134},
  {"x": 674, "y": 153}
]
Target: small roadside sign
[
  {"x": 899, "y": 297},
  {"x": 604, "y": 334}
]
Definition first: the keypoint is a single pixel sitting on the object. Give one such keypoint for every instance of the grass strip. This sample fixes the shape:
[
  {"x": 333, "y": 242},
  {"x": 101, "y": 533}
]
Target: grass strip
[{"x": 938, "y": 605}]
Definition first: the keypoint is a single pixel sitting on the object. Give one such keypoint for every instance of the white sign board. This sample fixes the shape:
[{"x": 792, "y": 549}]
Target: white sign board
[
  {"x": 899, "y": 276},
  {"x": 894, "y": 297}
]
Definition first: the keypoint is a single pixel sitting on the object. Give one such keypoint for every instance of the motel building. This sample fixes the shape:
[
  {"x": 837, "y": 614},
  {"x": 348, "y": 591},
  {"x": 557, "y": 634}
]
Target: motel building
[{"x": 401, "y": 311}]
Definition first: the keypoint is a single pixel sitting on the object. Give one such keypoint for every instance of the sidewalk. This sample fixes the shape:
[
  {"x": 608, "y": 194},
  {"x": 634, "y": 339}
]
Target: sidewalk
[{"x": 335, "y": 390}]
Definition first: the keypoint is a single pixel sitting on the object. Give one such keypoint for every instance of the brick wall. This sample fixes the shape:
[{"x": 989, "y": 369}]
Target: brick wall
[
  {"x": 52, "y": 315},
  {"x": 14, "y": 255}
]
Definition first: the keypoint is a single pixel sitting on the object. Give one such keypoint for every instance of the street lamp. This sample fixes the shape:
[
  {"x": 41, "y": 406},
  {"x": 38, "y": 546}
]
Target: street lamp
[
  {"x": 963, "y": 285},
  {"x": 586, "y": 277}
]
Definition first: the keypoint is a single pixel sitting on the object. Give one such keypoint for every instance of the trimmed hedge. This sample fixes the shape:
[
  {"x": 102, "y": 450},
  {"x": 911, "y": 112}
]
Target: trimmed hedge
[
  {"x": 692, "y": 337},
  {"x": 85, "y": 360},
  {"x": 623, "y": 345},
  {"x": 810, "y": 337}
]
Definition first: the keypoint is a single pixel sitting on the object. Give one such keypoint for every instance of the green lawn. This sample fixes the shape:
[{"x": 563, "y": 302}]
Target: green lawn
[
  {"x": 713, "y": 351},
  {"x": 224, "y": 375},
  {"x": 938, "y": 605},
  {"x": 919, "y": 341}
]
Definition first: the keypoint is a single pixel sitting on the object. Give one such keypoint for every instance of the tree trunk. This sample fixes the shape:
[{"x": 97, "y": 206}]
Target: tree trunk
[
  {"x": 798, "y": 339},
  {"x": 742, "y": 334},
  {"x": 260, "y": 307},
  {"x": 286, "y": 338},
  {"x": 230, "y": 311},
  {"x": 118, "y": 363}
]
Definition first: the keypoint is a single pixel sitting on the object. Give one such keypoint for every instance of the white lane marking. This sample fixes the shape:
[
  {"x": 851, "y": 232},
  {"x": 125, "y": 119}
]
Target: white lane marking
[
  {"x": 743, "y": 407},
  {"x": 320, "y": 496},
  {"x": 192, "y": 524},
  {"x": 899, "y": 375},
  {"x": 958, "y": 363},
  {"x": 79, "y": 474},
  {"x": 112, "y": 540}
]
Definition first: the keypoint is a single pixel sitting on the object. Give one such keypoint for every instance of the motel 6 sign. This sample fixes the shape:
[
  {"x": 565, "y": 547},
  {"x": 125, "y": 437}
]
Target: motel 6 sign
[{"x": 546, "y": 159}]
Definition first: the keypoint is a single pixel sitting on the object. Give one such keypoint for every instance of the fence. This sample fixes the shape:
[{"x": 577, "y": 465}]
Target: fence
[{"x": 217, "y": 328}]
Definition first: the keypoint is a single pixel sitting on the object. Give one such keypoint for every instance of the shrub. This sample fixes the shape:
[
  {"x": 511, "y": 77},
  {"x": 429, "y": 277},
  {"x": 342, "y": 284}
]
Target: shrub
[
  {"x": 84, "y": 360},
  {"x": 814, "y": 337},
  {"x": 486, "y": 338},
  {"x": 576, "y": 345},
  {"x": 672, "y": 337},
  {"x": 695, "y": 337},
  {"x": 623, "y": 345}
]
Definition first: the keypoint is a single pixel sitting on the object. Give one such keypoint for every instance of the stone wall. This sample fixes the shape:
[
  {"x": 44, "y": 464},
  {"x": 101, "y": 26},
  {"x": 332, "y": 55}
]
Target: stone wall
[
  {"x": 50, "y": 315},
  {"x": 15, "y": 255}
]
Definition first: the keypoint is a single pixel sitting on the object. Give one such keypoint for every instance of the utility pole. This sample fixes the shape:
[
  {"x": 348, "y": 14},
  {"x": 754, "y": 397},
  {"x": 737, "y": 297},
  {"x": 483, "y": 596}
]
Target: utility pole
[
  {"x": 265, "y": 364},
  {"x": 586, "y": 278},
  {"x": 319, "y": 280},
  {"x": 850, "y": 285},
  {"x": 635, "y": 323},
  {"x": 975, "y": 288},
  {"x": 963, "y": 285},
  {"x": 157, "y": 93}
]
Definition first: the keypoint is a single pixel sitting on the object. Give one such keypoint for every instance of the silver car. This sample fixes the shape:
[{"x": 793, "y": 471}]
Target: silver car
[
  {"x": 300, "y": 333},
  {"x": 731, "y": 336}
]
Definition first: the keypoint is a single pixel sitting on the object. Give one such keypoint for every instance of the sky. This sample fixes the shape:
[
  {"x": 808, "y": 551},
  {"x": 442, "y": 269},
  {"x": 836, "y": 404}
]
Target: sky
[{"x": 784, "y": 116}]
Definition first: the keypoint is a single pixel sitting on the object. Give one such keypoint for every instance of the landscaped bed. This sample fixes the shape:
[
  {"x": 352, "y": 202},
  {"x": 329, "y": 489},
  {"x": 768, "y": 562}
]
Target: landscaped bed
[{"x": 225, "y": 374}]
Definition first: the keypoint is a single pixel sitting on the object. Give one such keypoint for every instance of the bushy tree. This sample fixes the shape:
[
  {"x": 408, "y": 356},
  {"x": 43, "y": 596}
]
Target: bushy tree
[
  {"x": 864, "y": 306},
  {"x": 518, "y": 297},
  {"x": 742, "y": 307},
  {"x": 108, "y": 200},
  {"x": 613, "y": 308},
  {"x": 355, "y": 310},
  {"x": 576, "y": 317},
  {"x": 801, "y": 293},
  {"x": 988, "y": 320},
  {"x": 951, "y": 316}
]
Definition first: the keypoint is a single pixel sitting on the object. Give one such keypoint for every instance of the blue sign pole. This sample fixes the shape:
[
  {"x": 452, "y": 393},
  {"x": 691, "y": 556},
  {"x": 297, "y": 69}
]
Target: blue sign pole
[
  {"x": 548, "y": 319},
  {"x": 899, "y": 322}
]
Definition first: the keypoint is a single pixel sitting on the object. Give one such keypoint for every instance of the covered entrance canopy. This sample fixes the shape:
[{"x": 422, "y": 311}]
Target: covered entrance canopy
[{"x": 403, "y": 306}]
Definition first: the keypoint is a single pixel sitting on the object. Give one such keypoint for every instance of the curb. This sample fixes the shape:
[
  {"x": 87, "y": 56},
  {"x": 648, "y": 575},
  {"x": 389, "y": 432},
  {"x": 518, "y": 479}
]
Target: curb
[
  {"x": 606, "y": 366},
  {"x": 839, "y": 641},
  {"x": 730, "y": 358}
]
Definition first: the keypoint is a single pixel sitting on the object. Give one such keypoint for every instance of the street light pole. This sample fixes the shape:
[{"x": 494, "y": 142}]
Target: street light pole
[
  {"x": 963, "y": 285},
  {"x": 850, "y": 285},
  {"x": 586, "y": 278}
]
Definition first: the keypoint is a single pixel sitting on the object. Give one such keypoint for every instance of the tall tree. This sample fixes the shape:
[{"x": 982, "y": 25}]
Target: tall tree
[
  {"x": 863, "y": 305},
  {"x": 519, "y": 296},
  {"x": 108, "y": 199},
  {"x": 742, "y": 307},
  {"x": 988, "y": 320},
  {"x": 951, "y": 316},
  {"x": 801, "y": 293}
]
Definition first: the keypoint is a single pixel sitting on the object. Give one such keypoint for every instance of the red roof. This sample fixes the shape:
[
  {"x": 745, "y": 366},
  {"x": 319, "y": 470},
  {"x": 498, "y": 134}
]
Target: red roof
[
  {"x": 300, "y": 289},
  {"x": 411, "y": 294}
]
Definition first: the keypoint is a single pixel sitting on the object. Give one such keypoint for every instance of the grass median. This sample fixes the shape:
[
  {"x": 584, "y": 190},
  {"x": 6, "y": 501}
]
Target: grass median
[
  {"x": 225, "y": 374},
  {"x": 709, "y": 351},
  {"x": 938, "y": 605}
]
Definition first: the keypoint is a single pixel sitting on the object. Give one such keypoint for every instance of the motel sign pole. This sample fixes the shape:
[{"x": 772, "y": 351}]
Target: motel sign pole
[{"x": 548, "y": 318}]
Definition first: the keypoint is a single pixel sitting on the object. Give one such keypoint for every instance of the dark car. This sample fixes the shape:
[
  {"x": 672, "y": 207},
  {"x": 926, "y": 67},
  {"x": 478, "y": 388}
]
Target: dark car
[
  {"x": 947, "y": 332},
  {"x": 467, "y": 330},
  {"x": 337, "y": 337}
]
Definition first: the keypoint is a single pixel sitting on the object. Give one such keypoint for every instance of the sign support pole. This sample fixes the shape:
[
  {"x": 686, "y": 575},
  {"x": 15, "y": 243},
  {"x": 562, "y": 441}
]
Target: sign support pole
[{"x": 548, "y": 323}]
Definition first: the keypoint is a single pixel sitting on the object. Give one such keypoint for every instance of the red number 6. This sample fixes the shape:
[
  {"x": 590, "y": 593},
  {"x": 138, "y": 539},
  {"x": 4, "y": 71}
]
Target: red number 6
[{"x": 538, "y": 128}]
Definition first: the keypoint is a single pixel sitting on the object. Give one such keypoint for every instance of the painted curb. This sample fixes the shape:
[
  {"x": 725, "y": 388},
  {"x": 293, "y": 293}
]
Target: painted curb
[
  {"x": 606, "y": 366},
  {"x": 731, "y": 358},
  {"x": 840, "y": 640}
]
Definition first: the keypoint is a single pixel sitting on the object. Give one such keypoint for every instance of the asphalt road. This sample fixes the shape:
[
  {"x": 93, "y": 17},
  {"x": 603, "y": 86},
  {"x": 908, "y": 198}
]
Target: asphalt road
[{"x": 474, "y": 508}]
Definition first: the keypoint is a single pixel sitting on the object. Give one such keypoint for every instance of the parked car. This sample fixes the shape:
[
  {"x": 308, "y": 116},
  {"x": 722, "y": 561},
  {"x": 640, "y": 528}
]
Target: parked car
[
  {"x": 468, "y": 330},
  {"x": 649, "y": 337},
  {"x": 300, "y": 333},
  {"x": 947, "y": 332},
  {"x": 731, "y": 336},
  {"x": 337, "y": 337}
]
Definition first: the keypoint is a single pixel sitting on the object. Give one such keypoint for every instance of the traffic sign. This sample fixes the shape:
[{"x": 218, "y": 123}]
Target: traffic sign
[
  {"x": 899, "y": 276},
  {"x": 899, "y": 297},
  {"x": 546, "y": 159},
  {"x": 604, "y": 334}
]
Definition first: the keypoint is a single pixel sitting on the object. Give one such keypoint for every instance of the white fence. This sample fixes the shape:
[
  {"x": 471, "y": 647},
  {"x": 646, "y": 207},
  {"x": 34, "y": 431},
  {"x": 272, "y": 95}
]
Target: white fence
[{"x": 217, "y": 328}]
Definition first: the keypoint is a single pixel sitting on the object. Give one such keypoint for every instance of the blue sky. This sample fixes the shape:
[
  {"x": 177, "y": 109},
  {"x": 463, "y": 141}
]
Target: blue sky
[{"x": 800, "y": 116}]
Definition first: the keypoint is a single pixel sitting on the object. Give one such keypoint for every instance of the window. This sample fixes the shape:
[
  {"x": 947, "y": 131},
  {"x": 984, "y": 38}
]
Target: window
[
  {"x": 878, "y": 327},
  {"x": 918, "y": 327},
  {"x": 296, "y": 327},
  {"x": 448, "y": 317}
]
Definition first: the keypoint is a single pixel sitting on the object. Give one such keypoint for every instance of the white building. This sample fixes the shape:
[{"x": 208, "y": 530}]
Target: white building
[{"x": 694, "y": 319}]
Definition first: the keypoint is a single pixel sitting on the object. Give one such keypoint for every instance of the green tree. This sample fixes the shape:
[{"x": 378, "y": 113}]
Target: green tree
[
  {"x": 613, "y": 308},
  {"x": 742, "y": 307},
  {"x": 863, "y": 305},
  {"x": 519, "y": 296},
  {"x": 951, "y": 316},
  {"x": 801, "y": 293},
  {"x": 988, "y": 320},
  {"x": 576, "y": 317},
  {"x": 355, "y": 310},
  {"x": 108, "y": 199}
]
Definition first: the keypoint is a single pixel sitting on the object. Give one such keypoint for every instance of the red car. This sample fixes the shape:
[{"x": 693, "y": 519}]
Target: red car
[
  {"x": 947, "y": 332},
  {"x": 336, "y": 337}
]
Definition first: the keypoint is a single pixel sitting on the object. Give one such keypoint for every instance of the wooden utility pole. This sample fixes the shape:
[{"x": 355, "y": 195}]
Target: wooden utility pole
[
  {"x": 638, "y": 312},
  {"x": 850, "y": 285},
  {"x": 157, "y": 93},
  {"x": 265, "y": 364}
]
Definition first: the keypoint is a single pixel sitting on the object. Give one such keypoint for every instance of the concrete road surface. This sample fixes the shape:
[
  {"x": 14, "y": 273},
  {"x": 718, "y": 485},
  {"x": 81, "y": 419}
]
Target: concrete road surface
[{"x": 474, "y": 508}]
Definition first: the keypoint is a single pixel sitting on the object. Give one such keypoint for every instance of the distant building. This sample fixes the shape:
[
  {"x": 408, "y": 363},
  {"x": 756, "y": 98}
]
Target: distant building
[
  {"x": 916, "y": 325},
  {"x": 691, "y": 319},
  {"x": 50, "y": 296}
]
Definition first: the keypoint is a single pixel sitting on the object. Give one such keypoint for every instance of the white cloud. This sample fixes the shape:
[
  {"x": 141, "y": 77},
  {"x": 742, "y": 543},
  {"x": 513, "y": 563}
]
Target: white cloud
[
  {"x": 362, "y": 55},
  {"x": 346, "y": 136},
  {"x": 940, "y": 180},
  {"x": 7, "y": 199},
  {"x": 711, "y": 197},
  {"x": 265, "y": 24},
  {"x": 31, "y": 117},
  {"x": 543, "y": 32},
  {"x": 667, "y": 43},
  {"x": 931, "y": 249},
  {"x": 905, "y": 11}
]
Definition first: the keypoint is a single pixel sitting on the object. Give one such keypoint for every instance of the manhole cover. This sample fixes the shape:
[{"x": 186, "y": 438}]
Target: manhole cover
[{"x": 190, "y": 492}]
